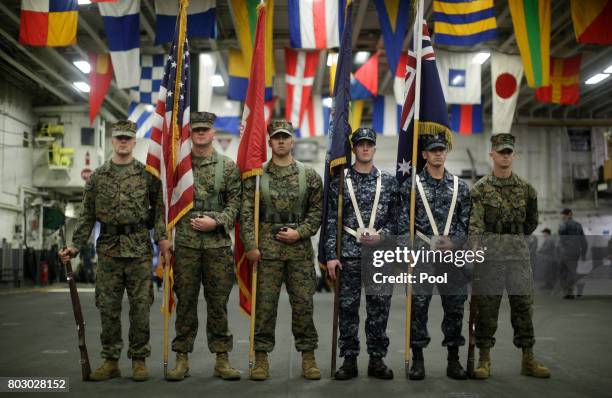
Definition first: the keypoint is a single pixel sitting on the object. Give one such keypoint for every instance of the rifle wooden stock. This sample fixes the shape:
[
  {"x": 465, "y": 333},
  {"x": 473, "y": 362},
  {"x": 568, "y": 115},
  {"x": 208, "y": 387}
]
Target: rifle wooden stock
[
  {"x": 80, "y": 323},
  {"x": 472, "y": 337}
]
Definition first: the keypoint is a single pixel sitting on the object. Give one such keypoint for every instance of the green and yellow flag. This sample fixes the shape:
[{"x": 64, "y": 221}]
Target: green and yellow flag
[{"x": 531, "y": 20}]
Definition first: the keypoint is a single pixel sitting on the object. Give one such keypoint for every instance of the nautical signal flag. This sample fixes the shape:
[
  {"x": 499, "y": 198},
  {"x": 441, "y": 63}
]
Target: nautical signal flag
[
  {"x": 50, "y": 23},
  {"x": 386, "y": 115},
  {"x": 99, "y": 80},
  {"x": 592, "y": 20},
  {"x": 506, "y": 75},
  {"x": 531, "y": 20},
  {"x": 393, "y": 16},
  {"x": 316, "y": 118},
  {"x": 143, "y": 99},
  {"x": 466, "y": 119},
  {"x": 464, "y": 22},
  {"x": 399, "y": 86},
  {"x": 460, "y": 77},
  {"x": 122, "y": 26},
  {"x": 315, "y": 24},
  {"x": 364, "y": 82},
  {"x": 301, "y": 67},
  {"x": 564, "y": 85},
  {"x": 239, "y": 68},
  {"x": 201, "y": 19}
]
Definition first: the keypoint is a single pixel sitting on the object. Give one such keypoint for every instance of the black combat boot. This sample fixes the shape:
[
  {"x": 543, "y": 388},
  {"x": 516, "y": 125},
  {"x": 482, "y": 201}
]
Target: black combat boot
[
  {"x": 348, "y": 370},
  {"x": 454, "y": 369},
  {"x": 417, "y": 370},
  {"x": 378, "y": 369}
]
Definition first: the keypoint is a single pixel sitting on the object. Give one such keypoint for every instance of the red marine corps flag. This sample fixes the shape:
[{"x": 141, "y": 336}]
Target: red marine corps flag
[{"x": 251, "y": 156}]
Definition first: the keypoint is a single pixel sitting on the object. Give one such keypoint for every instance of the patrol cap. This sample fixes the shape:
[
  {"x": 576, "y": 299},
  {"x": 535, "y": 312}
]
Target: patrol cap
[
  {"x": 363, "y": 133},
  {"x": 431, "y": 141},
  {"x": 125, "y": 128},
  {"x": 202, "y": 120},
  {"x": 280, "y": 126},
  {"x": 499, "y": 142}
]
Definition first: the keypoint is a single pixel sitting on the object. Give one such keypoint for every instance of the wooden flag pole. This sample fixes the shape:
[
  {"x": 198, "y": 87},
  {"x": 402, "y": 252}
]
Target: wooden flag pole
[
  {"x": 254, "y": 278},
  {"x": 339, "y": 224},
  {"x": 418, "y": 32}
]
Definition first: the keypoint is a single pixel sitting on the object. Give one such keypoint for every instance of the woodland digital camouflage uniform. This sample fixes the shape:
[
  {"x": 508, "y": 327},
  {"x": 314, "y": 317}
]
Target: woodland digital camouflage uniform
[
  {"x": 291, "y": 263},
  {"x": 121, "y": 196},
  {"x": 205, "y": 258},
  {"x": 503, "y": 211}
]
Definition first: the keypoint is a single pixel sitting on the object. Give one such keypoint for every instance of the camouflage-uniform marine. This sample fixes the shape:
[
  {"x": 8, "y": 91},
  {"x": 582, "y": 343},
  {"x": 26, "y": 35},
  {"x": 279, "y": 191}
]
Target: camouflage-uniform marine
[
  {"x": 439, "y": 196},
  {"x": 377, "y": 306},
  {"x": 122, "y": 198},
  {"x": 504, "y": 210},
  {"x": 284, "y": 203},
  {"x": 205, "y": 258}
]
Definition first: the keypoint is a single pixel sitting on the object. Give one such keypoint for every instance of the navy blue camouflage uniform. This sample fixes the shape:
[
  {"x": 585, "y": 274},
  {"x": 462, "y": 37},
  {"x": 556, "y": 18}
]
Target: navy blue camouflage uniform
[
  {"x": 439, "y": 195},
  {"x": 377, "y": 306}
]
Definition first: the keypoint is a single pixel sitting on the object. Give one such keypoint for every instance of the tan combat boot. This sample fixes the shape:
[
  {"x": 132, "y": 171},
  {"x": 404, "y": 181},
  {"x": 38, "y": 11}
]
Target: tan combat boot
[
  {"x": 181, "y": 368},
  {"x": 223, "y": 369},
  {"x": 108, "y": 370},
  {"x": 139, "y": 370},
  {"x": 310, "y": 370},
  {"x": 484, "y": 365},
  {"x": 261, "y": 367},
  {"x": 531, "y": 367}
]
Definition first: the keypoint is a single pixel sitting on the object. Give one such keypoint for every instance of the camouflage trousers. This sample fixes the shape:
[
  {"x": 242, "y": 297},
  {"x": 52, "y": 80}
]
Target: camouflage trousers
[
  {"x": 489, "y": 283},
  {"x": 214, "y": 270},
  {"x": 453, "y": 299},
  {"x": 377, "y": 310},
  {"x": 300, "y": 279},
  {"x": 114, "y": 275}
]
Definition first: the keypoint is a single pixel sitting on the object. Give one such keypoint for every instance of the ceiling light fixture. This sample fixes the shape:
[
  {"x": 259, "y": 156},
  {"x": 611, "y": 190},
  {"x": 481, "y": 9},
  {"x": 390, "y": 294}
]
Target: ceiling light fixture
[{"x": 597, "y": 78}]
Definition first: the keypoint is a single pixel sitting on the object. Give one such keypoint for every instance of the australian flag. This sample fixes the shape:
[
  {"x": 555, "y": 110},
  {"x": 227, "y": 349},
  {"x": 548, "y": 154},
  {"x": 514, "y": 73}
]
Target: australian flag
[
  {"x": 432, "y": 114},
  {"x": 338, "y": 150}
]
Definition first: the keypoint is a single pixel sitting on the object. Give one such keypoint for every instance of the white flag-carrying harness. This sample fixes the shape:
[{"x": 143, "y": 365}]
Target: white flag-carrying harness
[
  {"x": 349, "y": 185},
  {"x": 432, "y": 221},
  {"x": 506, "y": 75}
]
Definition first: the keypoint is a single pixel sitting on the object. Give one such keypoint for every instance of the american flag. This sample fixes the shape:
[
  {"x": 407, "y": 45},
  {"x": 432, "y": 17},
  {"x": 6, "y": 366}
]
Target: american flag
[
  {"x": 169, "y": 156},
  {"x": 433, "y": 109}
]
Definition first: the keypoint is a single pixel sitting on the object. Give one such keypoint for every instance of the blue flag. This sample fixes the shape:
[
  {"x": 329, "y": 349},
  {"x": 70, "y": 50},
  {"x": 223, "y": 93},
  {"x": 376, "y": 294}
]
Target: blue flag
[
  {"x": 433, "y": 114},
  {"x": 393, "y": 17},
  {"x": 338, "y": 151}
]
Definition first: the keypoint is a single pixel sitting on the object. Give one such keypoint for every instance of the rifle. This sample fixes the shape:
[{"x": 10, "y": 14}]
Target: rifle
[
  {"x": 78, "y": 315},
  {"x": 334, "y": 350},
  {"x": 472, "y": 336}
]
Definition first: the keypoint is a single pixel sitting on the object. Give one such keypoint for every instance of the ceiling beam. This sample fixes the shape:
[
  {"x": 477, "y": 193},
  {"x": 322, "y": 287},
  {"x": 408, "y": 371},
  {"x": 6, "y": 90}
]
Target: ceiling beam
[
  {"x": 534, "y": 121},
  {"x": 44, "y": 65},
  {"x": 361, "y": 13},
  {"x": 68, "y": 65},
  {"x": 44, "y": 83}
]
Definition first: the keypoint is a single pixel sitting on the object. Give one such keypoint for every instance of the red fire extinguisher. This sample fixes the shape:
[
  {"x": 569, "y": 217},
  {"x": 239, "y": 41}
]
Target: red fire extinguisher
[{"x": 44, "y": 273}]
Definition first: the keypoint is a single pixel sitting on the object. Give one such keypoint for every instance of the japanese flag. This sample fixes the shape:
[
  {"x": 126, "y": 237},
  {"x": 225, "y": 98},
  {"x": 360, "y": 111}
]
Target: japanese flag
[{"x": 506, "y": 75}]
